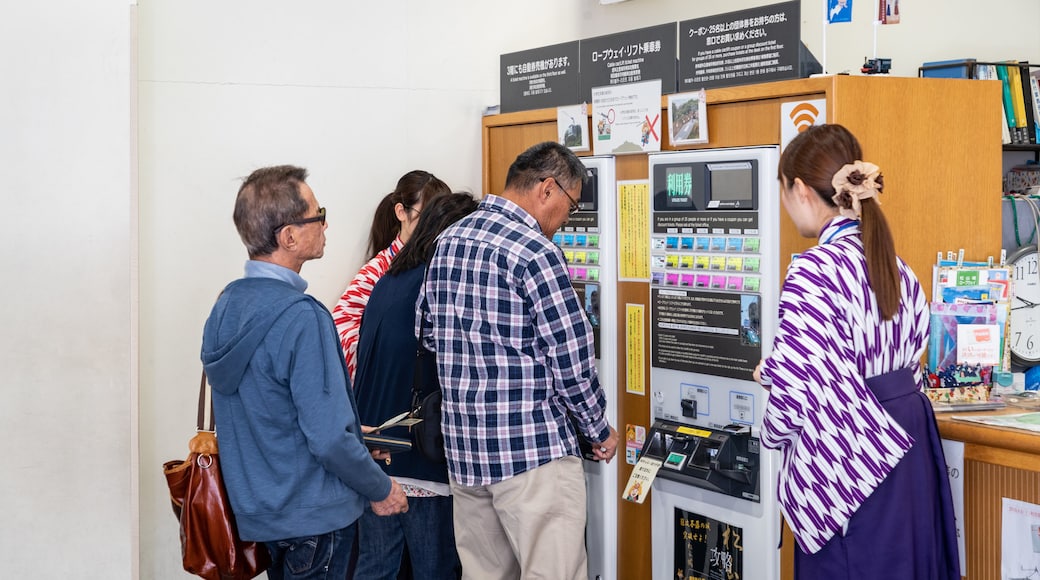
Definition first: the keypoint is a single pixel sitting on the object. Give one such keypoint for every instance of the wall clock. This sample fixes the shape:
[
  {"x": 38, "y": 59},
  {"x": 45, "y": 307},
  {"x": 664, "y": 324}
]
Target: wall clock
[{"x": 1025, "y": 306}]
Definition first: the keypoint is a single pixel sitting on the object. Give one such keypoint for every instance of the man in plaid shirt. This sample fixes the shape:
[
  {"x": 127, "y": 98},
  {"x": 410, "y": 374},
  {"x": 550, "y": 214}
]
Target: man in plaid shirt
[{"x": 516, "y": 363}]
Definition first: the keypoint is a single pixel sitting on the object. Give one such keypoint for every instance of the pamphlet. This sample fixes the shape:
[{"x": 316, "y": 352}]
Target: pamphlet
[
  {"x": 943, "y": 337},
  {"x": 960, "y": 287},
  {"x": 1025, "y": 421}
]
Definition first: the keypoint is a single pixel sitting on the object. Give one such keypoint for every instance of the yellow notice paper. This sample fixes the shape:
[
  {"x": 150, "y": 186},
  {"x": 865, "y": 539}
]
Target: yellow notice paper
[
  {"x": 634, "y": 348},
  {"x": 634, "y": 230},
  {"x": 643, "y": 475}
]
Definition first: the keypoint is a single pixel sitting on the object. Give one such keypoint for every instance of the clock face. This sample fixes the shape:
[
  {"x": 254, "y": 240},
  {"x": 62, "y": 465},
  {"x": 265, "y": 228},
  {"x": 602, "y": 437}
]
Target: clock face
[{"x": 1025, "y": 306}]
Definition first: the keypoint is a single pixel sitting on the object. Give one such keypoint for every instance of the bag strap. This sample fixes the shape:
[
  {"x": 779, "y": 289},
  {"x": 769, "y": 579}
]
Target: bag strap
[
  {"x": 417, "y": 373},
  {"x": 202, "y": 407},
  {"x": 417, "y": 368},
  {"x": 202, "y": 401}
]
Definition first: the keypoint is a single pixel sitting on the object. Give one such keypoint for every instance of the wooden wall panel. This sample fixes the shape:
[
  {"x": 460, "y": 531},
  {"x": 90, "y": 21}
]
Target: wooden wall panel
[
  {"x": 988, "y": 484},
  {"x": 633, "y": 533},
  {"x": 504, "y": 143},
  {"x": 937, "y": 148}
]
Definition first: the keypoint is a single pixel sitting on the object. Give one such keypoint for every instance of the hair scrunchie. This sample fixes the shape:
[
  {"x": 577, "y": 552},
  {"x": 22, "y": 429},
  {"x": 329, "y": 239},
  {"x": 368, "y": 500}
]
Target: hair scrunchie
[{"x": 853, "y": 183}]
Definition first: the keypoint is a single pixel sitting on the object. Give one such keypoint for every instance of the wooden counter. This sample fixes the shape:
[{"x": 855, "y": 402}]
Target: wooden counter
[{"x": 998, "y": 462}]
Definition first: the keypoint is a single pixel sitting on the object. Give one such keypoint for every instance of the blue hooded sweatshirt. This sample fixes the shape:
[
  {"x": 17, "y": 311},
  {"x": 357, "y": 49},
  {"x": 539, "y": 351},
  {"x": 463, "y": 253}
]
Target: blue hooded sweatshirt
[{"x": 293, "y": 458}]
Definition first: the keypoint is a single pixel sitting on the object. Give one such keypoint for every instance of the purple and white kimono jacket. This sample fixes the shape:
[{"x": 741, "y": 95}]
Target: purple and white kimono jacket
[{"x": 836, "y": 440}]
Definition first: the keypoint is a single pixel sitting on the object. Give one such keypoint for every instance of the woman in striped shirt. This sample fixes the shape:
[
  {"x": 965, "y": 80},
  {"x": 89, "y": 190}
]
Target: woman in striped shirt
[{"x": 392, "y": 225}]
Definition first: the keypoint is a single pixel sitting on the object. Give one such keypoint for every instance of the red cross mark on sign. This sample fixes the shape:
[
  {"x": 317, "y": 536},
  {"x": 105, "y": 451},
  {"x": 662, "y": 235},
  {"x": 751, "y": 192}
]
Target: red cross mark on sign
[{"x": 651, "y": 125}]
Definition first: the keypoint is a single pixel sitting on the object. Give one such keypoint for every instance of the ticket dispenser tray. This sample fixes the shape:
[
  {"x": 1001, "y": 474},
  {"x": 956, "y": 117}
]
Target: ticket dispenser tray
[{"x": 723, "y": 460}]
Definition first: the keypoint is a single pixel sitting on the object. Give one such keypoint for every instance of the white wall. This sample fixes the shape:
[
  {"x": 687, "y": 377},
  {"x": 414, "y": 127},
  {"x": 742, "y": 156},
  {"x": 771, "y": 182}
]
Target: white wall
[
  {"x": 358, "y": 92},
  {"x": 66, "y": 481}
]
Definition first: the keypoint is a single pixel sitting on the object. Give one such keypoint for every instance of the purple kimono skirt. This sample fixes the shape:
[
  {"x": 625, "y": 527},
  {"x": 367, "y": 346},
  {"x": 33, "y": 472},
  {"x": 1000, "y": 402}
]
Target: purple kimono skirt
[{"x": 905, "y": 530}]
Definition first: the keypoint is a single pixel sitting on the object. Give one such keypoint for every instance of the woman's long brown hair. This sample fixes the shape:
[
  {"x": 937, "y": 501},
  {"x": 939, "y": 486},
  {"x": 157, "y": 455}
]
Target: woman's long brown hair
[{"x": 815, "y": 156}]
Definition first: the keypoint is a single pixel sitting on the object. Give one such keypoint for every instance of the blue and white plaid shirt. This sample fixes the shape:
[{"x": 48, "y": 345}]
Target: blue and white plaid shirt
[{"x": 514, "y": 349}]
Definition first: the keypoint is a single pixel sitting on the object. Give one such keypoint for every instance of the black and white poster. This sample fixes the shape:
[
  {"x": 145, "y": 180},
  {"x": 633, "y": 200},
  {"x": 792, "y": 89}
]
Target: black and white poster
[
  {"x": 713, "y": 333},
  {"x": 738, "y": 48},
  {"x": 707, "y": 549},
  {"x": 626, "y": 57},
  {"x": 539, "y": 78}
]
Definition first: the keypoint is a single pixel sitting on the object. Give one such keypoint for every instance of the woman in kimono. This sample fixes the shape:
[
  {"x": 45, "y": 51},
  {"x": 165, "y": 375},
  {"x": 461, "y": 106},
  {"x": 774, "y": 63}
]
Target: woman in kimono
[{"x": 862, "y": 482}]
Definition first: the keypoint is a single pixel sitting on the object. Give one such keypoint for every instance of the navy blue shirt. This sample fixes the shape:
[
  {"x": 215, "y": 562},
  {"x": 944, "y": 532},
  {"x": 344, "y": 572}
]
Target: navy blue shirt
[{"x": 386, "y": 367}]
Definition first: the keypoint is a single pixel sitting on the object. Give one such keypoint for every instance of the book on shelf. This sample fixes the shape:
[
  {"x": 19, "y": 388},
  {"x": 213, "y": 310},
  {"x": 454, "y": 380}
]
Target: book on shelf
[
  {"x": 960, "y": 68},
  {"x": 988, "y": 72},
  {"x": 1034, "y": 91},
  {"x": 1017, "y": 101},
  {"x": 1009, "y": 108},
  {"x": 1027, "y": 98}
]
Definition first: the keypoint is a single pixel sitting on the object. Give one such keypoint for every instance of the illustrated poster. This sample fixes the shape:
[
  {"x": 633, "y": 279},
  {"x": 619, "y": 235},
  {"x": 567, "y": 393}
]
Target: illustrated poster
[{"x": 627, "y": 118}]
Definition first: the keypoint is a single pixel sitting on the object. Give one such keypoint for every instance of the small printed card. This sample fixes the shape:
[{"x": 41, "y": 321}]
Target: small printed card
[
  {"x": 643, "y": 475},
  {"x": 402, "y": 420},
  {"x": 978, "y": 344}
]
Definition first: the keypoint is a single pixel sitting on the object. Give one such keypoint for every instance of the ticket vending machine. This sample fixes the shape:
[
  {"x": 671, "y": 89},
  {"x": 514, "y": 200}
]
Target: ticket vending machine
[
  {"x": 714, "y": 291},
  {"x": 588, "y": 241}
]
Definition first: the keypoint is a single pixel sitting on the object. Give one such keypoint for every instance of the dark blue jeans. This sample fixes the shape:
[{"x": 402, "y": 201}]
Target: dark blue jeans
[
  {"x": 313, "y": 557},
  {"x": 426, "y": 528}
]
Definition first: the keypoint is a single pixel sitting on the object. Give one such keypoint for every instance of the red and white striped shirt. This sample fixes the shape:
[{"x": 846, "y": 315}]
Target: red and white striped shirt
[{"x": 351, "y": 305}]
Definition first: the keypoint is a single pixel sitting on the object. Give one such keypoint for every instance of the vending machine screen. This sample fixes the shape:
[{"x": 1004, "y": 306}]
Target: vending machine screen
[
  {"x": 679, "y": 187},
  {"x": 731, "y": 185}
]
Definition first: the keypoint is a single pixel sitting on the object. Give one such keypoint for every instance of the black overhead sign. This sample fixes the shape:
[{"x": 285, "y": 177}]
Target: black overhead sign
[
  {"x": 737, "y": 48},
  {"x": 539, "y": 78},
  {"x": 629, "y": 57}
]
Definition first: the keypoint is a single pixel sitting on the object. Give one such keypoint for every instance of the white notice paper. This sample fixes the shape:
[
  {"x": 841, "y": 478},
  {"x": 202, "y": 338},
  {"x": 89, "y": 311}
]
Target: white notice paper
[{"x": 1019, "y": 540}]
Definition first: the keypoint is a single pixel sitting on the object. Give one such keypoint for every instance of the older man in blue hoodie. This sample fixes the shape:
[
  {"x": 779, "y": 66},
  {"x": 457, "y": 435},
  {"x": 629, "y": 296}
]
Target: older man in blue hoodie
[{"x": 295, "y": 465}]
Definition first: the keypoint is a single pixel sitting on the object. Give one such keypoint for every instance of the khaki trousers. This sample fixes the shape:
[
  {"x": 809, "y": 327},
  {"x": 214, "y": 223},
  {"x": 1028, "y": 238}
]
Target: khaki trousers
[{"x": 531, "y": 526}]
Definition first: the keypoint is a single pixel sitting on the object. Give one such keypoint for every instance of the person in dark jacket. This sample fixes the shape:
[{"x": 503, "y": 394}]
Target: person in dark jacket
[
  {"x": 387, "y": 362},
  {"x": 296, "y": 468}
]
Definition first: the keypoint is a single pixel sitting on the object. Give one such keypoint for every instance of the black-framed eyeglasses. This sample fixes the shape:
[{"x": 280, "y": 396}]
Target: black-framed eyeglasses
[
  {"x": 318, "y": 218},
  {"x": 574, "y": 207}
]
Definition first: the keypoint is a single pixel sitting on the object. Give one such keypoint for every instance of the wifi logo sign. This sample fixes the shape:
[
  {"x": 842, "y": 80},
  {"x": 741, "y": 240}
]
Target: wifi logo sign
[
  {"x": 797, "y": 116},
  {"x": 804, "y": 115}
]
